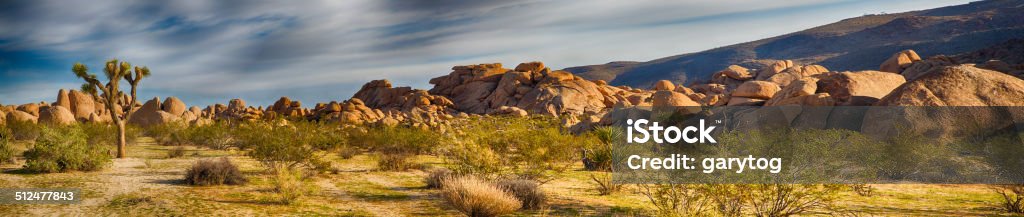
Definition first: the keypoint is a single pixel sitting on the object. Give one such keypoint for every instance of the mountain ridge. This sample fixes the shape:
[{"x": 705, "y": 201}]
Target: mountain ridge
[{"x": 849, "y": 44}]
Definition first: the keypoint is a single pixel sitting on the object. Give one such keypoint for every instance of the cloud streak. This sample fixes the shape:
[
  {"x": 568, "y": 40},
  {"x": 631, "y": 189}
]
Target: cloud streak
[{"x": 210, "y": 51}]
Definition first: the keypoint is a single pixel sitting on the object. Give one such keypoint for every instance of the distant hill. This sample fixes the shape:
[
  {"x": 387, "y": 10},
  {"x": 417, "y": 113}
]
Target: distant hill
[{"x": 851, "y": 44}]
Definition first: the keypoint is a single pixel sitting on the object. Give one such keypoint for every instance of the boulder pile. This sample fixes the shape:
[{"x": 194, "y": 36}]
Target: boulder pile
[{"x": 905, "y": 79}]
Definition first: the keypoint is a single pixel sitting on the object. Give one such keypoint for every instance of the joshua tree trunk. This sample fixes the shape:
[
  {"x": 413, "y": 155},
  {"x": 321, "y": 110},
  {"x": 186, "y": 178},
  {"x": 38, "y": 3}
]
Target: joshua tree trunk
[{"x": 122, "y": 143}]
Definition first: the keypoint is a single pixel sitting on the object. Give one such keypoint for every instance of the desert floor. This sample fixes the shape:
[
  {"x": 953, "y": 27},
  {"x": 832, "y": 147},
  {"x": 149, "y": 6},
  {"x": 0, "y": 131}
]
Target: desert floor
[{"x": 150, "y": 184}]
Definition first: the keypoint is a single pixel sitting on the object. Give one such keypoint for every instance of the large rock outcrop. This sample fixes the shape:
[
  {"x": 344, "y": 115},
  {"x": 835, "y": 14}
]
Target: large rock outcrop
[
  {"x": 478, "y": 89},
  {"x": 379, "y": 94},
  {"x": 56, "y": 115},
  {"x": 756, "y": 90},
  {"x": 859, "y": 88},
  {"x": 799, "y": 88},
  {"x": 82, "y": 105},
  {"x": 796, "y": 73},
  {"x": 21, "y": 116},
  {"x": 772, "y": 69},
  {"x": 962, "y": 85},
  {"x": 899, "y": 61},
  {"x": 151, "y": 114},
  {"x": 174, "y": 106},
  {"x": 353, "y": 111},
  {"x": 286, "y": 107},
  {"x": 30, "y": 108}
]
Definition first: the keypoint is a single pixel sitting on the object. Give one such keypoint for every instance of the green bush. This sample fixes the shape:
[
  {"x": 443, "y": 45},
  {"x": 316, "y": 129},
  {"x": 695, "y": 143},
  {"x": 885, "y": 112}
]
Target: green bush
[
  {"x": 395, "y": 145},
  {"x": 289, "y": 146},
  {"x": 679, "y": 199},
  {"x": 23, "y": 130},
  {"x": 529, "y": 148},
  {"x": 65, "y": 149},
  {"x": 7, "y": 152},
  {"x": 174, "y": 133},
  {"x": 214, "y": 172},
  {"x": 215, "y": 136},
  {"x": 789, "y": 199},
  {"x": 106, "y": 134}
]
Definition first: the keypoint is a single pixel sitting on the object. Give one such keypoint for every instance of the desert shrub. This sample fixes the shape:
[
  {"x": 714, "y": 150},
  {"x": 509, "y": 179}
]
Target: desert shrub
[
  {"x": 173, "y": 133},
  {"x": 475, "y": 197},
  {"x": 347, "y": 152},
  {"x": 529, "y": 148},
  {"x": 214, "y": 172},
  {"x": 106, "y": 134},
  {"x": 176, "y": 152},
  {"x": 395, "y": 145},
  {"x": 789, "y": 199},
  {"x": 604, "y": 183},
  {"x": 7, "y": 151},
  {"x": 911, "y": 155},
  {"x": 727, "y": 198},
  {"x": 65, "y": 149},
  {"x": 678, "y": 199},
  {"x": 24, "y": 130},
  {"x": 290, "y": 184},
  {"x": 598, "y": 156},
  {"x": 215, "y": 136},
  {"x": 394, "y": 161},
  {"x": 1012, "y": 198},
  {"x": 528, "y": 192},
  {"x": 437, "y": 176},
  {"x": 281, "y": 145}
]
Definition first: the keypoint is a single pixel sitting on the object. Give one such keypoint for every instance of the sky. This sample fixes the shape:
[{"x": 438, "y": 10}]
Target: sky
[{"x": 207, "y": 52}]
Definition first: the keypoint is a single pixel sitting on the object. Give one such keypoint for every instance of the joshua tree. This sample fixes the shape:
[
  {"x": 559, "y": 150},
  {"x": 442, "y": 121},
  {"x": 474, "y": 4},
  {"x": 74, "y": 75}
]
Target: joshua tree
[{"x": 112, "y": 95}]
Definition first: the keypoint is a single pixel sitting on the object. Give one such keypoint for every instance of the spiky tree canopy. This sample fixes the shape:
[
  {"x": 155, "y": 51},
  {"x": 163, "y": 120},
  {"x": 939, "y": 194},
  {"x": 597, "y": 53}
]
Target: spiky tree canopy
[{"x": 115, "y": 70}]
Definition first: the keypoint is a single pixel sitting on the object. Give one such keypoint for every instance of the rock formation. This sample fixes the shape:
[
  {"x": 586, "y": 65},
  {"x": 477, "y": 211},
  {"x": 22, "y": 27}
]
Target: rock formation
[
  {"x": 478, "y": 89},
  {"x": 56, "y": 115},
  {"x": 961, "y": 85},
  {"x": 21, "y": 116},
  {"x": 151, "y": 114},
  {"x": 859, "y": 88},
  {"x": 899, "y": 61}
]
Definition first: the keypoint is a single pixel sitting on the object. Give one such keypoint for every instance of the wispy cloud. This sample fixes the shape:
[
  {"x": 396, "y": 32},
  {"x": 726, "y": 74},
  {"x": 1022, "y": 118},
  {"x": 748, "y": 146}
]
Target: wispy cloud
[{"x": 211, "y": 51}]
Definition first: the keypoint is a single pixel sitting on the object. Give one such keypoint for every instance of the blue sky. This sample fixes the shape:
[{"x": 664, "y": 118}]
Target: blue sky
[{"x": 207, "y": 52}]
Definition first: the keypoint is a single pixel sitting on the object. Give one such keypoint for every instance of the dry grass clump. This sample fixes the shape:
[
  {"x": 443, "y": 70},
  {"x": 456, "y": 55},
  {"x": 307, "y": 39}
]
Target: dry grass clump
[
  {"x": 394, "y": 162},
  {"x": 437, "y": 177},
  {"x": 528, "y": 192},
  {"x": 476, "y": 198},
  {"x": 214, "y": 172},
  {"x": 290, "y": 184},
  {"x": 176, "y": 152}
]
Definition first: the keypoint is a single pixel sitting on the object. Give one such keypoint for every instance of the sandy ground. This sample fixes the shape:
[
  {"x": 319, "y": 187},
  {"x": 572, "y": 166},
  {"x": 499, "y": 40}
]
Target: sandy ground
[{"x": 150, "y": 184}]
